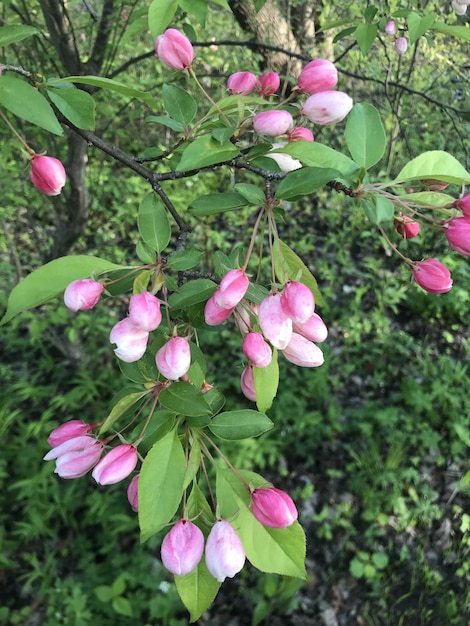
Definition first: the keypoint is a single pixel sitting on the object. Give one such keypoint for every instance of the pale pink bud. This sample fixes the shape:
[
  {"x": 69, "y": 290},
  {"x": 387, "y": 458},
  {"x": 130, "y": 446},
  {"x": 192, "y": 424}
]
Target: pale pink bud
[
  {"x": 182, "y": 548},
  {"x": 144, "y": 311},
  {"x": 275, "y": 324},
  {"x": 243, "y": 315},
  {"x": 247, "y": 383},
  {"x": 390, "y": 28},
  {"x": 174, "y": 49},
  {"x": 460, "y": 8},
  {"x": 268, "y": 83},
  {"x": 300, "y": 351},
  {"x": 314, "y": 328},
  {"x": 82, "y": 295},
  {"x": 174, "y": 358},
  {"x": 273, "y": 508},
  {"x": 75, "y": 457},
  {"x": 225, "y": 555},
  {"x": 131, "y": 341},
  {"x": 401, "y": 45},
  {"x": 69, "y": 430},
  {"x": 433, "y": 184},
  {"x": 297, "y": 301},
  {"x": 300, "y": 134},
  {"x": 464, "y": 204},
  {"x": 133, "y": 493},
  {"x": 458, "y": 234},
  {"x": 406, "y": 227},
  {"x": 116, "y": 465},
  {"x": 257, "y": 350},
  {"x": 432, "y": 276},
  {"x": 285, "y": 161},
  {"x": 327, "y": 107},
  {"x": 231, "y": 290},
  {"x": 273, "y": 123},
  {"x": 241, "y": 83},
  {"x": 47, "y": 174},
  {"x": 215, "y": 315},
  {"x": 318, "y": 75}
]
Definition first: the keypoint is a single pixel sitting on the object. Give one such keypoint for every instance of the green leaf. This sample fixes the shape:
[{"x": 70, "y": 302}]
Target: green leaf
[
  {"x": 462, "y": 32},
  {"x": 217, "y": 203},
  {"x": 435, "y": 164},
  {"x": 185, "y": 259},
  {"x": 161, "y": 484},
  {"x": 315, "y": 154},
  {"x": 304, "y": 181},
  {"x": 161, "y": 13},
  {"x": 122, "y": 606},
  {"x": 379, "y": 209},
  {"x": 197, "y": 590},
  {"x": 145, "y": 253},
  {"x": 428, "y": 198},
  {"x": 365, "y": 135},
  {"x": 153, "y": 222},
  {"x": 380, "y": 560},
  {"x": 252, "y": 193},
  {"x": 266, "y": 383},
  {"x": 120, "y": 408},
  {"x": 356, "y": 568},
  {"x": 205, "y": 151},
  {"x": 288, "y": 265},
  {"x": 417, "y": 25},
  {"x": 12, "y": 34},
  {"x": 76, "y": 105},
  {"x": 160, "y": 424},
  {"x": 179, "y": 104},
  {"x": 165, "y": 121},
  {"x": 110, "y": 85},
  {"x": 344, "y": 33},
  {"x": 242, "y": 424},
  {"x": 192, "y": 292},
  {"x": 185, "y": 399},
  {"x": 198, "y": 8},
  {"x": 23, "y": 100},
  {"x": 194, "y": 462},
  {"x": 51, "y": 279},
  {"x": 365, "y": 36}
]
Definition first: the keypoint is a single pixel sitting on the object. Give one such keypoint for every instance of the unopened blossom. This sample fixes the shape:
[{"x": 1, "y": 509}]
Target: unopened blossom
[
  {"x": 390, "y": 27},
  {"x": 401, "y": 45},
  {"x": 68, "y": 430},
  {"x": 232, "y": 288},
  {"x": 318, "y": 75},
  {"x": 131, "y": 341},
  {"x": 297, "y": 301},
  {"x": 182, "y": 548},
  {"x": 174, "y": 49},
  {"x": 47, "y": 174},
  {"x": 75, "y": 457},
  {"x": 224, "y": 553},
  {"x": 268, "y": 83},
  {"x": 459, "y": 7},
  {"x": 327, "y": 107},
  {"x": 247, "y": 383},
  {"x": 273, "y": 508},
  {"x": 83, "y": 294},
  {"x": 457, "y": 231},
  {"x": 133, "y": 493},
  {"x": 313, "y": 328},
  {"x": 406, "y": 226},
  {"x": 300, "y": 134},
  {"x": 273, "y": 123},
  {"x": 275, "y": 324},
  {"x": 116, "y": 465},
  {"x": 300, "y": 351},
  {"x": 144, "y": 311},
  {"x": 464, "y": 204},
  {"x": 215, "y": 315},
  {"x": 285, "y": 162},
  {"x": 174, "y": 358},
  {"x": 242, "y": 83},
  {"x": 256, "y": 349},
  {"x": 243, "y": 315},
  {"x": 432, "y": 276}
]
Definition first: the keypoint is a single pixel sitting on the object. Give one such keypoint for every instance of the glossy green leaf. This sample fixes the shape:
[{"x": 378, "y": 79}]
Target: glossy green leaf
[
  {"x": 192, "y": 292},
  {"x": 288, "y": 266},
  {"x": 165, "y": 121},
  {"x": 179, "y": 104},
  {"x": 417, "y": 25},
  {"x": 160, "y": 424},
  {"x": 23, "y": 100},
  {"x": 153, "y": 222},
  {"x": 315, "y": 154},
  {"x": 428, "y": 198},
  {"x": 217, "y": 203},
  {"x": 161, "y": 484},
  {"x": 365, "y": 135},
  {"x": 304, "y": 181},
  {"x": 462, "y": 32},
  {"x": 185, "y": 259},
  {"x": 14, "y": 33},
  {"x": 266, "y": 383},
  {"x": 76, "y": 105},
  {"x": 197, "y": 590},
  {"x": 183, "y": 398},
  {"x": 436, "y": 164},
  {"x": 51, "y": 279},
  {"x": 161, "y": 13},
  {"x": 145, "y": 253},
  {"x": 205, "y": 151},
  {"x": 365, "y": 36},
  {"x": 120, "y": 408},
  {"x": 111, "y": 85},
  {"x": 194, "y": 462},
  {"x": 252, "y": 193},
  {"x": 242, "y": 424},
  {"x": 198, "y": 8},
  {"x": 379, "y": 209}
]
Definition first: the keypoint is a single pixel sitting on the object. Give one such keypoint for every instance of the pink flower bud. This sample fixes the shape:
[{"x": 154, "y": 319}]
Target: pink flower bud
[
  {"x": 460, "y": 8},
  {"x": 327, "y": 107},
  {"x": 116, "y": 465},
  {"x": 458, "y": 234},
  {"x": 174, "y": 358},
  {"x": 464, "y": 204},
  {"x": 300, "y": 351},
  {"x": 314, "y": 328},
  {"x": 247, "y": 383},
  {"x": 215, "y": 315},
  {"x": 318, "y": 75},
  {"x": 231, "y": 290},
  {"x": 68, "y": 430},
  {"x": 406, "y": 227},
  {"x": 401, "y": 45},
  {"x": 273, "y": 123},
  {"x": 243, "y": 315},
  {"x": 131, "y": 341},
  {"x": 182, "y": 548},
  {"x": 285, "y": 162},
  {"x": 275, "y": 324},
  {"x": 433, "y": 184},
  {"x": 432, "y": 276},
  {"x": 268, "y": 83},
  {"x": 82, "y": 295},
  {"x": 144, "y": 311},
  {"x": 225, "y": 555},
  {"x": 47, "y": 174},
  {"x": 75, "y": 457},
  {"x": 297, "y": 301},
  {"x": 390, "y": 28},
  {"x": 257, "y": 350},
  {"x": 300, "y": 134},
  {"x": 133, "y": 493},
  {"x": 241, "y": 83},
  {"x": 174, "y": 49},
  {"x": 273, "y": 508}
]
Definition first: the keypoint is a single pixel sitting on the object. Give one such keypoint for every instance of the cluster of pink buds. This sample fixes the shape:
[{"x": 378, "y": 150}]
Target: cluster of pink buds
[
  {"x": 245, "y": 83},
  {"x": 401, "y": 43},
  {"x": 47, "y": 174}
]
